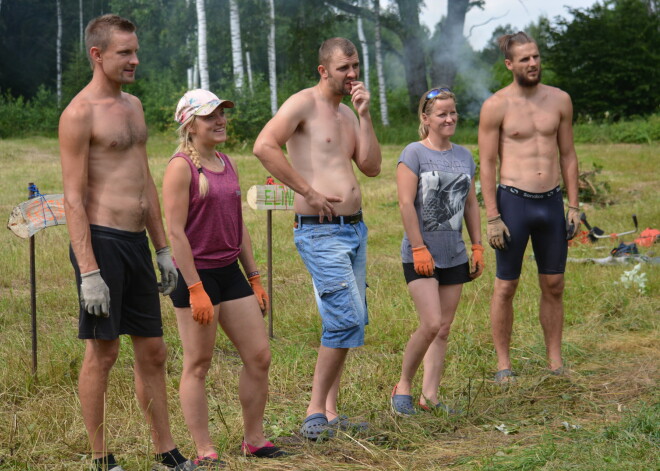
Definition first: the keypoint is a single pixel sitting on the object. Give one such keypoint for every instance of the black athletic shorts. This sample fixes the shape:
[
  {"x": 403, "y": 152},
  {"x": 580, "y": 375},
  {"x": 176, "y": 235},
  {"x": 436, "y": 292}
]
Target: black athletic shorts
[
  {"x": 127, "y": 268},
  {"x": 446, "y": 276},
  {"x": 221, "y": 284},
  {"x": 536, "y": 215}
]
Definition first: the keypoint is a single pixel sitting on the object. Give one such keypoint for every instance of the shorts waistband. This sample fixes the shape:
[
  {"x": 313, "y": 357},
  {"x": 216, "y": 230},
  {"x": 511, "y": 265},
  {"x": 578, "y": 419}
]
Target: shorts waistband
[
  {"x": 302, "y": 219},
  {"x": 113, "y": 233},
  {"x": 529, "y": 195}
]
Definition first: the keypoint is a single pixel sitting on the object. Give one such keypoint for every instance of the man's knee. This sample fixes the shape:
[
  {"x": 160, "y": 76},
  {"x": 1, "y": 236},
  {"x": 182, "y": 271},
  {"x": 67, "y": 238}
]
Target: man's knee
[
  {"x": 152, "y": 353},
  {"x": 101, "y": 355},
  {"x": 505, "y": 289},
  {"x": 552, "y": 285}
]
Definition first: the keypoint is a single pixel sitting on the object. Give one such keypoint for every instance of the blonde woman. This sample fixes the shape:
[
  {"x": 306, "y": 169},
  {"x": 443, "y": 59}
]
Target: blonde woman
[
  {"x": 436, "y": 191},
  {"x": 202, "y": 201}
]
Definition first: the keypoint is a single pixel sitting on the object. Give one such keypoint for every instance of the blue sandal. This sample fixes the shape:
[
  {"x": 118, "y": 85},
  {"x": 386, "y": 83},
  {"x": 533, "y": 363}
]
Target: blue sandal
[
  {"x": 402, "y": 404},
  {"x": 505, "y": 376},
  {"x": 342, "y": 423},
  {"x": 316, "y": 426}
]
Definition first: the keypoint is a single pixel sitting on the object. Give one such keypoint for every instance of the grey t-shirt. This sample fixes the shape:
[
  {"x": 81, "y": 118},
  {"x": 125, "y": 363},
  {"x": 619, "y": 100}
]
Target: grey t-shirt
[{"x": 444, "y": 181}]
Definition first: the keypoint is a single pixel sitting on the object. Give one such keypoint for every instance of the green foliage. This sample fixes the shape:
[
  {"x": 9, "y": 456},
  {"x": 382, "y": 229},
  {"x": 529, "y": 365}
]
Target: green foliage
[
  {"x": 608, "y": 59},
  {"x": 633, "y": 131},
  {"x": 21, "y": 117}
]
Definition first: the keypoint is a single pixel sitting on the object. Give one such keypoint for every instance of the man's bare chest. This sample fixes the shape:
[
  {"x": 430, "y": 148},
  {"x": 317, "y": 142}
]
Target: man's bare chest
[
  {"x": 117, "y": 129},
  {"x": 527, "y": 122}
]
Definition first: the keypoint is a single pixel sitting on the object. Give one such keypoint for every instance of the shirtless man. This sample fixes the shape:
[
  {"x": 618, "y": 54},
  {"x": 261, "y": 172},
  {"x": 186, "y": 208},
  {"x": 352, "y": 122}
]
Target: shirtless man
[
  {"x": 109, "y": 199},
  {"x": 529, "y": 125},
  {"x": 323, "y": 139}
]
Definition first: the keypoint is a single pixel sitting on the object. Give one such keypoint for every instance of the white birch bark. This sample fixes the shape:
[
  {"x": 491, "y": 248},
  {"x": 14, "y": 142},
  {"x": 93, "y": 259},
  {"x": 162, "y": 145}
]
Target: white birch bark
[
  {"x": 364, "y": 62},
  {"x": 58, "y": 48},
  {"x": 201, "y": 45},
  {"x": 82, "y": 27},
  {"x": 382, "y": 96},
  {"x": 248, "y": 63},
  {"x": 272, "y": 77},
  {"x": 196, "y": 74},
  {"x": 236, "y": 44}
]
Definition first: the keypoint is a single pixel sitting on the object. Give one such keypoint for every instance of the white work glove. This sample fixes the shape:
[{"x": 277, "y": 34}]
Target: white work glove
[
  {"x": 168, "y": 274},
  {"x": 94, "y": 294}
]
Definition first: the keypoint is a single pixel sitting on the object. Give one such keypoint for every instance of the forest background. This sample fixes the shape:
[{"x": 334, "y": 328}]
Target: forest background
[{"x": 607, "y": 57}]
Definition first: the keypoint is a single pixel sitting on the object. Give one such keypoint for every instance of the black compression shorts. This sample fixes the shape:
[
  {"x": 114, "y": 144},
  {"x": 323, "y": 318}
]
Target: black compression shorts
[
  {"x": 127, "y": 268},
  {"x": 221, "y": 284},
  {"x": 536, "y": 215}
]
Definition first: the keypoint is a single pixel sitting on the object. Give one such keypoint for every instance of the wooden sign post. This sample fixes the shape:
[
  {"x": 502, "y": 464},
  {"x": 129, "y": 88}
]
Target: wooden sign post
[{"x": 270, "y": 197}]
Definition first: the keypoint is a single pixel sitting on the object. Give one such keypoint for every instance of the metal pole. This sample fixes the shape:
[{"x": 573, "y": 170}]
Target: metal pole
[
  {"x": 269, "y": 218},
  {"x": 33, "y": 293}
]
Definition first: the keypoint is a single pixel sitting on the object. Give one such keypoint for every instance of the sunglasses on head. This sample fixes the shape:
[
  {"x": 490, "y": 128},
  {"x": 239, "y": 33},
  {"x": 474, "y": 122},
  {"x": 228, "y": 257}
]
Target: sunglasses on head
[{"x": 434, "y": 93}]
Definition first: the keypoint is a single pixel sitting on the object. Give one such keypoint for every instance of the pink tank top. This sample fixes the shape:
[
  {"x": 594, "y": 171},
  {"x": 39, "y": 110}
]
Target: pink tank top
[{"x": 215, "y": 223}]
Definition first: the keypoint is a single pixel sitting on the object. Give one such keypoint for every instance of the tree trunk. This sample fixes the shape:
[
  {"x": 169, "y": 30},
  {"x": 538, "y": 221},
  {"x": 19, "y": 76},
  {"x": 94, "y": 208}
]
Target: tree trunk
[
  {"x": 365, "y": 48},
  {"x": 82, "y": 26},
  {"x": 201, "y": 44},
  {"x": 248, "y": 64},
  {"x": 272, "y": 76},
  {"x": 413, "y": 51},
  {"x": 447, "y": 47},
  {"x": 382, "y": 96},
  {"x": 58, "y": 47},
  {"x": 236, "y": 44}
]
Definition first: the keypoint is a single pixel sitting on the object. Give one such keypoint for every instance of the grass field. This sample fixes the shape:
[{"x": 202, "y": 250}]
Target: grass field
[{"x": 604, "y": 415}]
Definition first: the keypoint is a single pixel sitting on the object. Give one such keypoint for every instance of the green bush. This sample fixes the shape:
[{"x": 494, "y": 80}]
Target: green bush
[{"x": 20, "y": 117}]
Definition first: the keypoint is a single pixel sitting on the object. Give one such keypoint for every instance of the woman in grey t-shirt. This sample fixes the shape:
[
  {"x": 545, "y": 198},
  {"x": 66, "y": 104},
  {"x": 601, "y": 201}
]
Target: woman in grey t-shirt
[{"x": 435, "y": 182}]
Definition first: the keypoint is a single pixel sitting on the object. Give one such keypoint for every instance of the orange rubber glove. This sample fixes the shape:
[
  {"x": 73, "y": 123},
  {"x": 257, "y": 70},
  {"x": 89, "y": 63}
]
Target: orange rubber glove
[
  {"x": 260, "y": 293},
  {"x": 477, "y": 261},
  {"x": 423, "y": 260},
  {"x": 200, "y": 303}
]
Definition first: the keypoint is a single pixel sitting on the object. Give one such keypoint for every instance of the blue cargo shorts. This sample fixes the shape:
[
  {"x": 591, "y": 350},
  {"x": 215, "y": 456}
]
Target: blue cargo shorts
[{"x": 336, "y": 257}]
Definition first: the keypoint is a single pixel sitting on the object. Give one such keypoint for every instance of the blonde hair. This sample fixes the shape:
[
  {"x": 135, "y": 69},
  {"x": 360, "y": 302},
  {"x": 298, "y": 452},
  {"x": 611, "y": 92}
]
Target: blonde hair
[
  {"x": 186, "y": 146},
  {"x": 426, "y": 105}
]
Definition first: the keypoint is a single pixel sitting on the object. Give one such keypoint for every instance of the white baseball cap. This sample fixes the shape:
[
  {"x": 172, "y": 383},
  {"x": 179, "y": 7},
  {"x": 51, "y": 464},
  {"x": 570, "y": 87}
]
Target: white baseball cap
[{"x": 198, "y": 102}]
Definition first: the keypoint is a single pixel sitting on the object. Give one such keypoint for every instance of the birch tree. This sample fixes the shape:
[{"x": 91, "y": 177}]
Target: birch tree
[
  {"x": 272, "y": 76},
  {"x": 248, "y": 64},
  {"x": 236, "y": 44},
  {"x": 80, "y": 22},
  {"x": 365, "y": 48},
  {"x": 201, "y": 45},
  {"x": 382, "y": 96},
  {"x": 58, "y": 48}
]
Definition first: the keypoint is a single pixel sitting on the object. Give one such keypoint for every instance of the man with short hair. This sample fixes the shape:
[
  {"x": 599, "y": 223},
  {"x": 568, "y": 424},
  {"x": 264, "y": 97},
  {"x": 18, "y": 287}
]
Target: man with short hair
[
  {"x": 109, "y": 200},
  {"x": 529, "y": 125},
  {"x": 323, "y": 139}
]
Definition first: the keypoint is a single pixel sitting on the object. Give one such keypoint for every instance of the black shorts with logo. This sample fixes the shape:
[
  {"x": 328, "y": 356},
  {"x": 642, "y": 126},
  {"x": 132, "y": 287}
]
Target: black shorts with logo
[{"x": 127, "y": 268}]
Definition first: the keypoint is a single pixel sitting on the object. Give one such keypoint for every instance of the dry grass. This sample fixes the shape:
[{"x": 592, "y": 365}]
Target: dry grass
[{"x": 611, "y": 347}]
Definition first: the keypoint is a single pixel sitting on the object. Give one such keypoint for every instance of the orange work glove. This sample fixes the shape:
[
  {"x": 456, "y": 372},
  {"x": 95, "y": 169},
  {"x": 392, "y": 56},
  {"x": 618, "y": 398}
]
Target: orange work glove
[
  {"x": 423, "y": 260},
  {"x": 200, "y": 303},
  {"x": 260, "y": 293},
  {"x": 477, "y": 261}
]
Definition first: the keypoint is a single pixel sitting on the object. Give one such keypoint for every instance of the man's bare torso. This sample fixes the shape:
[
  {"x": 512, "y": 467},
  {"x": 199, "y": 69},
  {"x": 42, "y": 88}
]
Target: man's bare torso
[
  {"x": 528, "y": 146},
  {"x": 321, "y": 150},
  {"x": 117, "y": 163}
]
